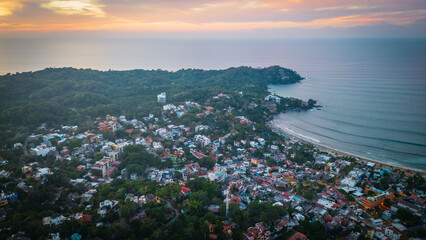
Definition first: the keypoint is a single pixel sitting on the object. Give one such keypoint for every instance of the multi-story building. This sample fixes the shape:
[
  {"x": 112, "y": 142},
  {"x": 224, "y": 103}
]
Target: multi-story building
[
  {"x": 377, "y": 199},
  {"x": 103, "y": 167},
  {"x": 205, "y": 141}
]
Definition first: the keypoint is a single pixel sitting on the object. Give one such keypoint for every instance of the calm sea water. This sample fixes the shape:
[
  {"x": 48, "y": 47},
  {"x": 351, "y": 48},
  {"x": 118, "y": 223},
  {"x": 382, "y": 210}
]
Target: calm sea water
[
  {"x": 373, "y": 91},
  {"x": 374, "y": 98}
]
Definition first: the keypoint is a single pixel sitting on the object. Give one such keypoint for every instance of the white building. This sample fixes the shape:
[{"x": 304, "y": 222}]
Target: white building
[
  {"x": 201, "y": 128},
  {"x": 261, "y": 141},
  {"x": 205, "y": 141},
  {"x": 17, "y": 145},
  {"x": 254, "y": 144},
  {"x": 217, "y": 174},
  {"x": 43, "y": 172},
  {"x": 169, "y": 107},
  {"x": 392, "y": 233},
  {"x": 122, "y": 119},
  {"x": 273, "y": 98},
  {"x": 42, "y": 150},
  {"x": 108, "y": 204},
  {"x": 161, "y": 98},
  {"x": 58, "y": 220},
  {"x": 157, "y": 145}
]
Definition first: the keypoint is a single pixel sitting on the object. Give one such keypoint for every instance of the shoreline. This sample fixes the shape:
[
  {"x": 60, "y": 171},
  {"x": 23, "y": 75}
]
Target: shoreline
[{"x": 336, "y": 152}]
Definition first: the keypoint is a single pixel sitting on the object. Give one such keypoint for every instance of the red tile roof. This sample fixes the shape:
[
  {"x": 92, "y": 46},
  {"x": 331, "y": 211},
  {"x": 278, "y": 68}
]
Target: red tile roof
[
  {"x": 298, "y": 236},
  {"x": 198, "y": 155},
  {"x": 185, "y": 190}
]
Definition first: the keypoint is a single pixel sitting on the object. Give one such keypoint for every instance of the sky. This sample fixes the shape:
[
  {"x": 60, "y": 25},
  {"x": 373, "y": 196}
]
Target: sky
[{"x": 208, "y": 18}]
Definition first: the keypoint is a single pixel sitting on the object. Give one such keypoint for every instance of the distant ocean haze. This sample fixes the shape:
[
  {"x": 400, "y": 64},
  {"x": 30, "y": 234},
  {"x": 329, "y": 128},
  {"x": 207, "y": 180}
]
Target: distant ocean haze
[{"x": 373, "y": 90}]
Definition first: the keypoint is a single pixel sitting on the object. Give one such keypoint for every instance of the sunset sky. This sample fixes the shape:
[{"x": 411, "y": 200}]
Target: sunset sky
[{"x": 262, "y": 18}]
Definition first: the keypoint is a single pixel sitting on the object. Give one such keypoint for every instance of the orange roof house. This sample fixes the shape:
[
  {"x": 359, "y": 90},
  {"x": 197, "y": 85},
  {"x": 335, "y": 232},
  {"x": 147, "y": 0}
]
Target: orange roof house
[
  {"x": 106, "y": 126},
  {"x": 298, "y": 236}
]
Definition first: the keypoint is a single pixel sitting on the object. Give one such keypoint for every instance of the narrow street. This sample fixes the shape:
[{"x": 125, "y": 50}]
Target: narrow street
[{"x": 169, "y": 205}]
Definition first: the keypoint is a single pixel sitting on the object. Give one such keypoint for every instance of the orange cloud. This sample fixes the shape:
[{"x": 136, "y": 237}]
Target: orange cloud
[
  {"x": 200, "y": 15},
  {"x": 350, "y": 7},
  {"x": 395, "y": 18},
  {"x": 8, "y": 7},
  {"x": 229, "y": 4},
  {"x": 74, "y": 7}
]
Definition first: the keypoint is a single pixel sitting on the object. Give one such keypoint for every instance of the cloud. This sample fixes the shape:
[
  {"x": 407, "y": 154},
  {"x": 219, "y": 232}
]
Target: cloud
[
  {"x": 210, "y": 6},
  {"x": 253, "y": 5},
  {"x": 351, "y": 7},
  {"x": 8, "y": 7},
  {"x": 230, "y": 4},
  {"x": 203, "y": 16},
  {"x": 393, "y": 18},
  {"x": 75, "y": 7},
  {"x": 397, "y": 18}
]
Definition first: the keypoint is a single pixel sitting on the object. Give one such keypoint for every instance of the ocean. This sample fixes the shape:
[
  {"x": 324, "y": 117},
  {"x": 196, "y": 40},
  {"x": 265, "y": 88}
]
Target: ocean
[
  {"x": 373, "y": 91},
  {"x": 374, "y": 98}
]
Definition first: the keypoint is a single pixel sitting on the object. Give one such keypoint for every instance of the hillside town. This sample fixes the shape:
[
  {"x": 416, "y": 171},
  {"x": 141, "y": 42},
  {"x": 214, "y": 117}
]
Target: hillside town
[{"x": 209, "y": 162}]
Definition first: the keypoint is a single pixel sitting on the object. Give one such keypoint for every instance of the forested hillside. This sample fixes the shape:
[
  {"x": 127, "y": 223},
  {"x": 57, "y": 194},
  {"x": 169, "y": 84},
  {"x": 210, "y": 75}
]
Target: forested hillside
[{"x": 74, "y": 96}]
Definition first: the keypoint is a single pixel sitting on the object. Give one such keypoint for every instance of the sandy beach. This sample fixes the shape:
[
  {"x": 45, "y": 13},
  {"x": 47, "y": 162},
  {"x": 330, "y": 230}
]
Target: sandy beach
[{"x": 336, "y": 152}]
